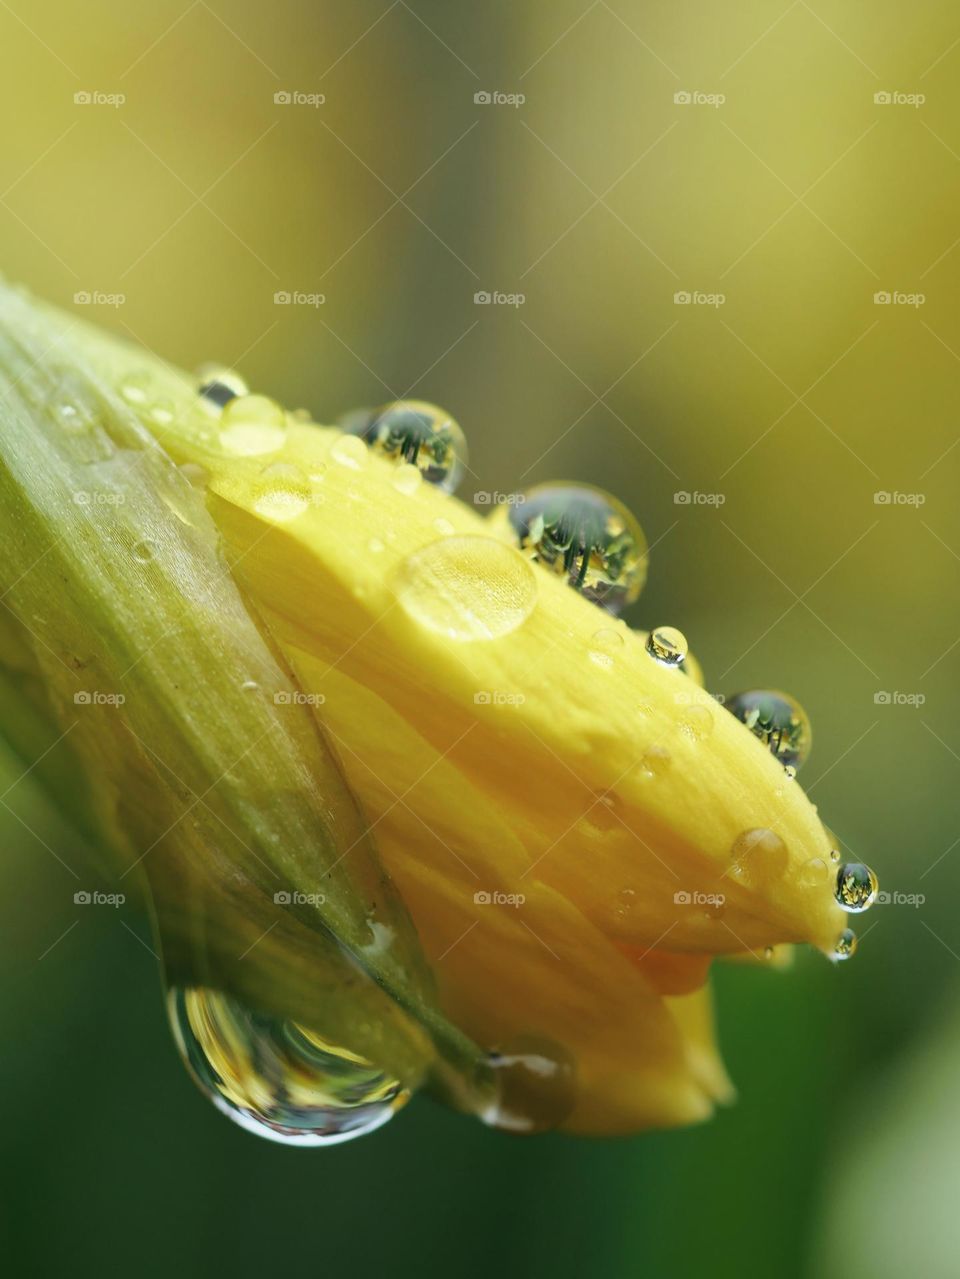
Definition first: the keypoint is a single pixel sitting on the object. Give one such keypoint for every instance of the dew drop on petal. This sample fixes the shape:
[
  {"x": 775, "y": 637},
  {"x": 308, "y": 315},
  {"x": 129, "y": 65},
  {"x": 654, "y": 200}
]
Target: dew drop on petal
[
  {"x": 252, "y": 425},
  {"x": 582, "y": 534},
  {"x": 667, "y": 645},
  {"x": 535, "y": 1082},
  {"x": 416, "y": 433},
  {"x": 696, "y": 722},
  {"x": 778, "y": 720},
  {"x": 350, "y": 451},
  {"x": 406, "y": 479},
  {"x": 814, "y": 873},
  {"x": 759, "y": 853},
  {"x": 218, "y": 385},
  {"x": 467, "y": 588},
  {"x": 277, "y": 1078},
  {"x": 282, "y": 502},
  {"x": 856, "y": 888},
  {"x": 144, "y": 551}
]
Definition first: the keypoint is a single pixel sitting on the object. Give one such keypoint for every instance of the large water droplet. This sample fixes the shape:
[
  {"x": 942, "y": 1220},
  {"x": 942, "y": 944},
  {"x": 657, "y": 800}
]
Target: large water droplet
[
  {"x": 696, "y": 722},
  {"x": 277, "y": 1078},
  {"x": 467, "y": 588},
  {"x": 282, "y": 501},
  {"x": 778, "y": 720},
  {"x": 417, "y": 433},
  {"x": 350, "y": 451},
  {"x": 583, "y": 534},
  {"x": 252, "y": 425},
  {"x": 667, "y": 645},
  {"x": 856, "y": 888},
  {"x": 536, "y": 1085}
]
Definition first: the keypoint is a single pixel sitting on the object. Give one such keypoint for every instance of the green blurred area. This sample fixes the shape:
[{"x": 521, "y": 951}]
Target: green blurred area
[{"x": 796, "y": 400}]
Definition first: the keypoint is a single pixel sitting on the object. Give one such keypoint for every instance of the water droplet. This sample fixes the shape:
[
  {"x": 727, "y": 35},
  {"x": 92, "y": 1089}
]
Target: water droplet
[
  {"x": 814, "y": 873},
  {"x": 536, "y": 1085},
  {"x": 467, "y": 588},
  {"x": 144, "y": 551},
  {"x": 406, "y": 479},
  {"x": 846, "y": 944},
  {"x": 281, "y": 503},
  {"x": 349, "y": 451},
  {"x": 277, "y": 1078},
  {"x": 584, "y": 535},
  {"x": 768, "y": 952},
  {"x": 249, "y": 686},
  {"x": 607, "y": 644},
  {"x": 136, "y": 389},
  {"x": 655, "y": 762},
  {"x": 252, "y": 425},
  {"x": 856, "y": 888},
  {"x": 778, "y": 720},
  {"x": 218, "y": 385},
  {"x": 759, "y": 853},
  {"x": 375, "y": 546},
  {"x": 444, "y": 527},
  {"x": 835, "y": 854},
  {"x": 417, "y": 433},
  {"x": 790, "y": 773},
  {"x": 696, "y": 722},
  {"x": 667, "y": 645},
  {"x": 70, "y": 418}
]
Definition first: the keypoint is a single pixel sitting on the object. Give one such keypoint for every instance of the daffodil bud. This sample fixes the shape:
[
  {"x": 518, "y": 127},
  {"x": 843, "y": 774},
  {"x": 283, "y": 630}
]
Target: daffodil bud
[{"x": 392, "y": 774}]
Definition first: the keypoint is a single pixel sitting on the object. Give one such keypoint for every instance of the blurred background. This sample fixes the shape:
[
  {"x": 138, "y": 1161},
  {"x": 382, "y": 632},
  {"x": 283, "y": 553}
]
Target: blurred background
[{"x": 721, "y": 246}]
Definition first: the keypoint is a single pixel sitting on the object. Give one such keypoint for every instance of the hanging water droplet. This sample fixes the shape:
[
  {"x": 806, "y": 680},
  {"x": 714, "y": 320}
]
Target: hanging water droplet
[
  {"x": 655, "y": 762},
  {"x": 582, "y": 534},
  {"x": 136, "y": 389},
  {"x": 417, "y": 433},
  {"x": 277, "y": 1078},
  {"x": 536, "y": 1087},
  {"x": 846, "y": 944},
  {"x": 856, "y": 888},
  {"x": 835, "y": 854},
  {"x": 467, "y": 588},
  {"x": 252, "y": 425},
  {"x": 605, "y": 645},
  {"x": 249, "y": 686},
  {"x": 218, "y": 385},
  {"x": 778, "y": 720}
]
